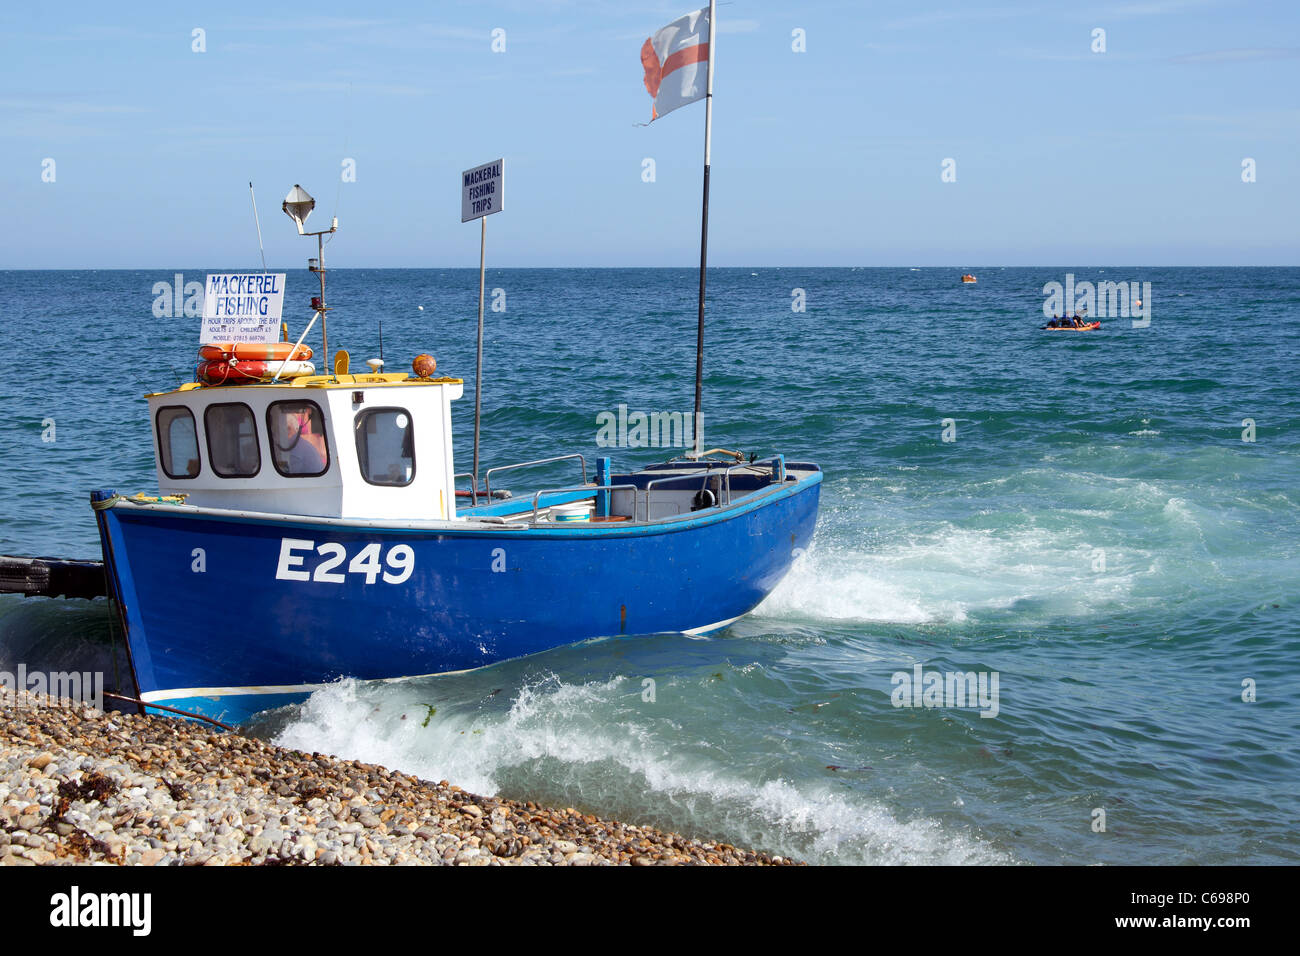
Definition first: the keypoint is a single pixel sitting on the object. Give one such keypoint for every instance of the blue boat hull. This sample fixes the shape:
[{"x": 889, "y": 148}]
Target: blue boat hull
[{"x": 228, "y": 615}]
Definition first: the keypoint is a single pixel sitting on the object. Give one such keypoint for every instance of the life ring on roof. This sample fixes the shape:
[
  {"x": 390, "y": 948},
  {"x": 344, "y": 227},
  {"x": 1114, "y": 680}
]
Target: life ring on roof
[
  {"x": 257, "y": 351},
  {"x": 246, "y": 371}
]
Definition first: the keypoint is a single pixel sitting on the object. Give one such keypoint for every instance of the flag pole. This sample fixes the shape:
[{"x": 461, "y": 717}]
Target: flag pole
[{"x": 704, "y": 225}]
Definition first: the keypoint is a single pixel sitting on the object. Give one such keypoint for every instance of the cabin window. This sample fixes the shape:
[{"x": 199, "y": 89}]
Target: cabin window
[
  {"x": 386, "y": 446},
  {"x": 298, "y": 445},
  {"x": 232, "y": 440},
  {"x": 178, "y": 442}
]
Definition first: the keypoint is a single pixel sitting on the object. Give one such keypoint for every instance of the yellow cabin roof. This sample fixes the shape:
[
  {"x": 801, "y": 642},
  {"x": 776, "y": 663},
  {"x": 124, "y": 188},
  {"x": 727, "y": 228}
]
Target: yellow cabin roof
[{"x": 370, "y": 380}]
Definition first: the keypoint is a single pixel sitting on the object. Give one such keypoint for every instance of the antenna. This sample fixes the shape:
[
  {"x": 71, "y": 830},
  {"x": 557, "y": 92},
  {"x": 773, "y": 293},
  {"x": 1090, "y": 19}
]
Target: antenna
[
  {"x": 381, "y": 340},
  {"x": 347, "y": 126},
  {"x": 259, "y": 225}
]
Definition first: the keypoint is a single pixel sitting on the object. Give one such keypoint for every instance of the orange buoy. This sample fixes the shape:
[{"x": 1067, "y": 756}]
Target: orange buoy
[{"x": 424, "y": 365}]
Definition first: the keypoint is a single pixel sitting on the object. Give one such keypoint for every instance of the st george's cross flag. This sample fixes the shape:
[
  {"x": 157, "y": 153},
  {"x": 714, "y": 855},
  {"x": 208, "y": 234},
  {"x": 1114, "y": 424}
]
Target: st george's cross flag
[{"x": 676, "y": 60}]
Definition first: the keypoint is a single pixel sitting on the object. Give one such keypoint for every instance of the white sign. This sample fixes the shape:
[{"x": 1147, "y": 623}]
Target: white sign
[
  {"x": 242, "y": 307},
  {"x": 482, "y": 190}
]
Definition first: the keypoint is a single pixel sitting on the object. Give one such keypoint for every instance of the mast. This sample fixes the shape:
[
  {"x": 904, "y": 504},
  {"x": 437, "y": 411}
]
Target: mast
[
  {"x": 298, "y": 206},
  {"x": 704, "y": 225}
]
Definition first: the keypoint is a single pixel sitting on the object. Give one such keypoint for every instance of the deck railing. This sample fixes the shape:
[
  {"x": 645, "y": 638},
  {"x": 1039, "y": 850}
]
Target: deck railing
[
  {"x": 473, "y": 486},
  {"x": 777, "y": 469},
  {"x": 537, "y": 496},
  {"x": 704, "y": 470},
  {"x": 487, "y": 477}
]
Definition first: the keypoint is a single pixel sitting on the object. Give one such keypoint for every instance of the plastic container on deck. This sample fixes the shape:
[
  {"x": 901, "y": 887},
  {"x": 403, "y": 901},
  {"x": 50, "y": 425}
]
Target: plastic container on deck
[{"x": 573, "y": 511}]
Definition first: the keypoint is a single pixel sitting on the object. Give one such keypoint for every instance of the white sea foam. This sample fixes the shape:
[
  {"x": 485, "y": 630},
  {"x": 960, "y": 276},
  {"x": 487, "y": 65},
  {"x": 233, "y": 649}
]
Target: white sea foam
[
  {"x": 948, "y": 574},
  {"x": 584, "y": 728}
]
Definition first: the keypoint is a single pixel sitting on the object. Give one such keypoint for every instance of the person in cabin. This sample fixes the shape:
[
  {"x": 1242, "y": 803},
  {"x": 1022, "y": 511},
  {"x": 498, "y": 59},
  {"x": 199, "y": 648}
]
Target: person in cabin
[
  {"x": 300, "y": 441},
  {"x": 304, "y": 458}
]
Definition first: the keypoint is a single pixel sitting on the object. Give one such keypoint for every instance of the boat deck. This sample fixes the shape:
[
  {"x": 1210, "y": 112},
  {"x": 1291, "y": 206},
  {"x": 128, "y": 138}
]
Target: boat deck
[{"x": 656, "y": 493}]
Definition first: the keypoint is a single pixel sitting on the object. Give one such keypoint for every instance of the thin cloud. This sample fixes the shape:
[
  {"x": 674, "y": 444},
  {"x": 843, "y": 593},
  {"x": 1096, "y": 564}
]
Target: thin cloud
[
  {"x": 1265, "y": 120},
  {"x": 1125, "y": 11},
  {"x": 327, "y": 24},
  {"x": 937, "y": 17},
  {"x": 1109, "y": 57},
  {"x": 1154, "y": 8},
  {"x": 67, "y": 106},
  {"x": 455, "y": 33},
  {"x": 1240, "y": 55},
  {"x": 341, "y": 86}
]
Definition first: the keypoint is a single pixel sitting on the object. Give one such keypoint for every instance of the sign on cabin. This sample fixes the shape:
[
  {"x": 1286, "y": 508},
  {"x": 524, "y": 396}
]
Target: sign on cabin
[
  {"x": 242, "y": 307},
  {"x": 482, "y": 190}
]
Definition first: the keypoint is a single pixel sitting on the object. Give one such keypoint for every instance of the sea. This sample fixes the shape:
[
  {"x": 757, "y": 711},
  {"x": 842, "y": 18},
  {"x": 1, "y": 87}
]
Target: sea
[{"x": 1101, "y": 527}]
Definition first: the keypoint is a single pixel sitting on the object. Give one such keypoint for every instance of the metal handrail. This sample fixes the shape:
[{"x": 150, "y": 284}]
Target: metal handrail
[
  {"x": 710, "y": 472},
  {"x": 537, "y": 497},
  {"x": 771, "y": 460},
  {"x": 487, "y": 477},
  {"x": 473, "y": 487},
  {"x": 650, "y": 484}
]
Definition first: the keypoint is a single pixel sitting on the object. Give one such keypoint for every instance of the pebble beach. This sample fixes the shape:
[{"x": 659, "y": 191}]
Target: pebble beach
[{"x": 81, "y": 786}]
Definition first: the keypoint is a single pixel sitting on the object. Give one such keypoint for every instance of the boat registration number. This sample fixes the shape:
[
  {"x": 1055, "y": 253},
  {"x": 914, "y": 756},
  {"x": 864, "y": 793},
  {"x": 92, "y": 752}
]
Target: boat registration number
[{"x": 398, "y": 563}]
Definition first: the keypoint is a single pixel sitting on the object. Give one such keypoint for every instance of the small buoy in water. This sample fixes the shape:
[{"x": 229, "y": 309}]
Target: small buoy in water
[
  {"x": 420, "y": 307},
  {"x": 424, "y": 365}
]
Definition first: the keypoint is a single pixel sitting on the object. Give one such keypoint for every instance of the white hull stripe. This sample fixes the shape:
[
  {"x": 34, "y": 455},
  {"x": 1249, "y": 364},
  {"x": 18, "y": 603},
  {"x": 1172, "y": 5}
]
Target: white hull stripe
[
  {"x": 713, "y": 627},
  {"x": 158, "y": 696},
  {"x": 161, "y": 696}
]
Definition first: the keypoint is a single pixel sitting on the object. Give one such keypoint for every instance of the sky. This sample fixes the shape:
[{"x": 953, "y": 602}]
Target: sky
[{"x": 123, "y": 146}]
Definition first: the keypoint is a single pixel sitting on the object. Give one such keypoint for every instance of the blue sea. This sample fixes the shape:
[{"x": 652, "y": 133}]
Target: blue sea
[{"x": 1106, "y": 521}]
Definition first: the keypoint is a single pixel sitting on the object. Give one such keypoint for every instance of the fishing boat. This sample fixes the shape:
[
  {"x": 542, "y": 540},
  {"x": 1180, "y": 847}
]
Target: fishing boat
[
  {"x": 309, "y": 528},
  {"x": 968, "y": 279}
]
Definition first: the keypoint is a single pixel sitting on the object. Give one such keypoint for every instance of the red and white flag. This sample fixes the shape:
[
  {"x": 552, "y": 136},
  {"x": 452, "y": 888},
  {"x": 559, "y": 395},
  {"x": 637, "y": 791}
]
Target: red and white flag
[{"x": 676, "y": 60}]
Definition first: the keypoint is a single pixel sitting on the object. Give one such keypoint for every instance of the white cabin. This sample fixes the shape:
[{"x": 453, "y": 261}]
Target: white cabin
[{"x": 344, "y": 446}]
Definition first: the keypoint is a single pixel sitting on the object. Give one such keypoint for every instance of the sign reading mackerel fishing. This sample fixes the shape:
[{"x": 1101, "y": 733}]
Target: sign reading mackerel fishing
[
  {"x": 482, "y": 190},
  {"x": 242, "y": 307}
]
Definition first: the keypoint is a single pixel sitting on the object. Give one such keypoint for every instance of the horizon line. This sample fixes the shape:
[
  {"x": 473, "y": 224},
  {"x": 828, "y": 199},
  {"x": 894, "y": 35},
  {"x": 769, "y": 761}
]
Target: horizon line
[{"x": 692, "y": 267}]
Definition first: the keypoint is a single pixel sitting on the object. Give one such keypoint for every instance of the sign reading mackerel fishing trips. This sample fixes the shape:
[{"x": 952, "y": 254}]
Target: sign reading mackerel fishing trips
[
  {"x": 242, "y": 307},
  {"x": 482, "y": 190}
]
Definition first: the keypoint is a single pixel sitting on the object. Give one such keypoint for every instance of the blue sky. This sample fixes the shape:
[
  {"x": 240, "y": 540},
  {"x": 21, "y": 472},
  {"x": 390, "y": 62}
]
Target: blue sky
[{"x": 1064, "y": 156}]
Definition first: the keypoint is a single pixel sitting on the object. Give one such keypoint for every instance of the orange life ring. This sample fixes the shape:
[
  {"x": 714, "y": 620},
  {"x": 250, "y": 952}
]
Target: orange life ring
[
  {"x": 218, "y": 372},
  {"x": 257, "y": 351},
  {"x": 245, "y": 371}
]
